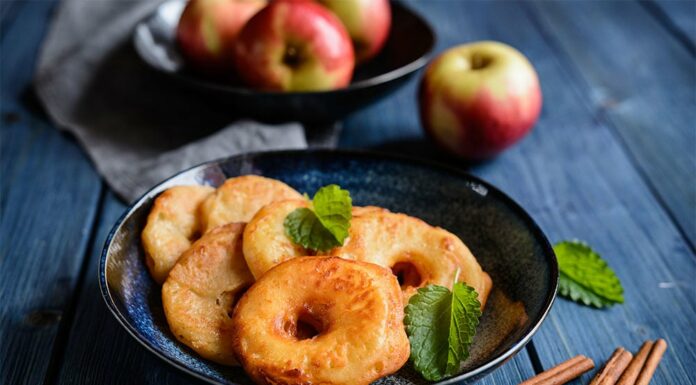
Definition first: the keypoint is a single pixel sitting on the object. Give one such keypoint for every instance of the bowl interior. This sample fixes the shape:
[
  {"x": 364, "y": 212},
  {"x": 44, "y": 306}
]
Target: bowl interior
[{"x": 507, "y": 243}]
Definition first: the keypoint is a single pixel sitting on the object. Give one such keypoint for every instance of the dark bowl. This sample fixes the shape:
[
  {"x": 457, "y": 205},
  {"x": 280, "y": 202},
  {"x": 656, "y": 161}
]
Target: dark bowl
[
  {"x": 505, "y": 240},
  {"x": 410, "y": 41}
]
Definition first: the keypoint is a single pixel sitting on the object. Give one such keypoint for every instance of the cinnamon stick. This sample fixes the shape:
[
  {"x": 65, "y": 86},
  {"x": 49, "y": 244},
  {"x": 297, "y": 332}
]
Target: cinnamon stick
[
  {"x": 563, "y": 372},
  {"x": 651, "y": 362},
  {"x": 613, "y": 368},
  {"x": 634, "y": 368}
]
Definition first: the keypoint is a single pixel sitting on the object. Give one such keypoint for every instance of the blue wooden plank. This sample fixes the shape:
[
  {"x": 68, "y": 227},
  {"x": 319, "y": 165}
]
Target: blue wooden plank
[
  {"x": 99, "y": 350},
  {"x": 643, "y": 86},
  {"x": 575, "y": 177},
  {"x": 48, "y": 199},
  {"x": 679, "y": 17},
  {"x": 8, "y": 9},
  {"x": 648, "y": 77}
]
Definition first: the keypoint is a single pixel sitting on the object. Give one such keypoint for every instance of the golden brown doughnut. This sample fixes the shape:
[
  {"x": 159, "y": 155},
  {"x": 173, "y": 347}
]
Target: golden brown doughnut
[
  {"x": 417, "y": 253},
  {"x": 238, "y": 199},
  {"x": 321, "y": 320},
  {"x": 202, "y": 289},
  {"x": 265, "y": 241},
  {"x": 172, "y": 225}
]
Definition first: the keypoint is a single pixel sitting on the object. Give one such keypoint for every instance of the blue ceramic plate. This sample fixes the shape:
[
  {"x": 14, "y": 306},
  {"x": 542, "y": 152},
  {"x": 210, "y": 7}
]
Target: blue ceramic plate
[{"x": 505, "y": 240}]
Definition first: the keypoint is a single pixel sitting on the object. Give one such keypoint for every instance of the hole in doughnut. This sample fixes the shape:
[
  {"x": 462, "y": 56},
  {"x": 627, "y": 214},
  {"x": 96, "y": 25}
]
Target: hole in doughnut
[
  {"x": 407, "y": 274},
  {"x": 305, "y": 327},
  {"x": 229, "y": 298}
]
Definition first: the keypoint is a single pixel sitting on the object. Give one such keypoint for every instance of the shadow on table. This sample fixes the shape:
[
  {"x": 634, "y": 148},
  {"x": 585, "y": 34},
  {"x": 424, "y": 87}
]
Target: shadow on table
[{"x": 426, "y": 150}]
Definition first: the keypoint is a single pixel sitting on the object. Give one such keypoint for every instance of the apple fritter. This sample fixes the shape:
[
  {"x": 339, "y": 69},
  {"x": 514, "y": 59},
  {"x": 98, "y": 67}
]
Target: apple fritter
[
  {"x": 265, "y": 241},
  {"x": 202, "y": 289},
  {"x": 173, "y": 223},
  {"x": 417, "y": 253},
  {"x": 240, "y": 198},
  {"x": 321, "y": 320}
]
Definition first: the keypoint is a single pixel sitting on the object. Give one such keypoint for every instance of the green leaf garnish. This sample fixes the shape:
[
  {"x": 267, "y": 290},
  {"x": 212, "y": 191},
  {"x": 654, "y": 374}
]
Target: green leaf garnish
[
  {"x": 585, "y": 277},
  {"x": 324, "y": 227},
  {"x": 441, "y": 325}
]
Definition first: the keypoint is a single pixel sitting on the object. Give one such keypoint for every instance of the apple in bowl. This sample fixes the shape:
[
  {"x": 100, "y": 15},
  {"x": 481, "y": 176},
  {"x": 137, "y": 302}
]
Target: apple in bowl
[
  {"x": 207, "y": 30},
  {"x": 478, "y": 99},
  {"x": 367, "y": 22},
  {"x": 294, "y": 46}
]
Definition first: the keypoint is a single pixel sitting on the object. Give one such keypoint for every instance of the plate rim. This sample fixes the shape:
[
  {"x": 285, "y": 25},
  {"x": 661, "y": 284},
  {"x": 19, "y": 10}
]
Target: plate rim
[
  {"x": 511, "y": 203},
  {"x": 383, "y": 78}
]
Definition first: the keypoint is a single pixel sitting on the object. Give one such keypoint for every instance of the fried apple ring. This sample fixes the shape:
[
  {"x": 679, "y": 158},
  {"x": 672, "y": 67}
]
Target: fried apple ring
[
  {"x": 238, "y": 199},
  {"x": 417, "y": 253},
  {"x": 172, "y": 225},
  {"x": 321, "y": 320},
  {"x": 265, "y": 241},
  {"x": 202, "y": 289}
]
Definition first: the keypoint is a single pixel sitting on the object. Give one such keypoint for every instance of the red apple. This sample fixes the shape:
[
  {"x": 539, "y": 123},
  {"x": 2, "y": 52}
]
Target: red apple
[
  {"x": 477, "y": 99},
  {"x": 207, "y": 31},
  {"x": 367, "y": 22},
  {"x": 295, "y": 46}
]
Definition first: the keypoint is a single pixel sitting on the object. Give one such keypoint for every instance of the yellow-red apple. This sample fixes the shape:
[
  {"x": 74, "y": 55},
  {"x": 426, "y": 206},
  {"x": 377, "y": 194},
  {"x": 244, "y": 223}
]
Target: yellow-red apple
[
  {"x": 207, "y": 31},
  {"x": 295, "y": 46},
  {"x": 477, "y": 99},
  {"x": 367, "y": 22}
]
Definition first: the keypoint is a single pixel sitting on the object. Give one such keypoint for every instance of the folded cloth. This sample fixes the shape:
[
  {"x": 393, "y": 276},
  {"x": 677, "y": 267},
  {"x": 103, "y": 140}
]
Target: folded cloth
[{"x": 138, "y": 127}]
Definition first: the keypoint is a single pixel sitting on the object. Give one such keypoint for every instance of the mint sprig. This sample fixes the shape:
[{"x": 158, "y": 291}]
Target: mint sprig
[
  {"x": 585, "y": 277},
  {"x": 441, "y": 325},
  {"x": 325, "y": 225}
]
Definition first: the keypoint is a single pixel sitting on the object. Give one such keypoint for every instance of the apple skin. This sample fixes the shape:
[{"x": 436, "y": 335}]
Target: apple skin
[
  {"x": 207, "y": 30},
  {"x": 294, "y": 46},
  {"x": 367, "y": 21},
  {"x": 478, "y": 99}
]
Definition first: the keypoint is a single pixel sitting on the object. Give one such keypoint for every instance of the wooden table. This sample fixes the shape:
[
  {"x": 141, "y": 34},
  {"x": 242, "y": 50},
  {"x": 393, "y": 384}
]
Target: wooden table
[{"x": 612, "y": 161}]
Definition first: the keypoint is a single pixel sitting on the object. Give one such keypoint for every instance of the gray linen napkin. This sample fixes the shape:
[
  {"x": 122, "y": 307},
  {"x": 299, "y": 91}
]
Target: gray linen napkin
[{"x": 138, "y": 127}]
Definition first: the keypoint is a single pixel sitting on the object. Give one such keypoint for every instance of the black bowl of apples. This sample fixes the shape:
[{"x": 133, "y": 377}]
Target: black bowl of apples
[{"x": 287, "y": 60}]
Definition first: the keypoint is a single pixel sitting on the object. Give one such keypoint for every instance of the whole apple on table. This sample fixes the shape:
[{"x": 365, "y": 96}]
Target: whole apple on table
[
  {"x": 478, "y": 99},
  {"x": 283, "y": 45}
]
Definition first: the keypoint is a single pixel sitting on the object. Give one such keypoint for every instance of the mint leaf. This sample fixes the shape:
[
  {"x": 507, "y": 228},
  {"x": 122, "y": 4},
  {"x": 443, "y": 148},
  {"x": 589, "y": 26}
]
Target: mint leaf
[
  {"x": 441, "y": 325},
  {"x": 304, "y": 228},
  {"x": 333, "y": 207},
  {"x": 585, "y": 277},
  {"x": 324, "y": 227}
]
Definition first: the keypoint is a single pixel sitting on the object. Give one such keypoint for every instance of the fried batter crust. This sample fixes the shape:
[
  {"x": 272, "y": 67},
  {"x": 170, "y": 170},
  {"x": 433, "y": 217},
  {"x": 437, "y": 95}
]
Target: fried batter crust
[
  {"x": 421, "y": 254},
  {"x": 355, "y": 308},
  {"x": 202, "y": 289},
  {"x": 173, "y": 223},
  {"x": 265, "y": 241},
  {"x": 240, "y": 198}
]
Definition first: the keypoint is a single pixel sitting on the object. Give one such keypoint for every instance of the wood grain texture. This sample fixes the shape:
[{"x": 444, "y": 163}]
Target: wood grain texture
[
  {"x": 610, "y": 207},
  {"x": 679, "y": 16},
  {"x": 8, "y": 9},
  {"x": 99, "y": 350},
  {"x": 48, "y": 197},
  {"x": 641, "y": 81},
  {"x": 574, "y": 176}
]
